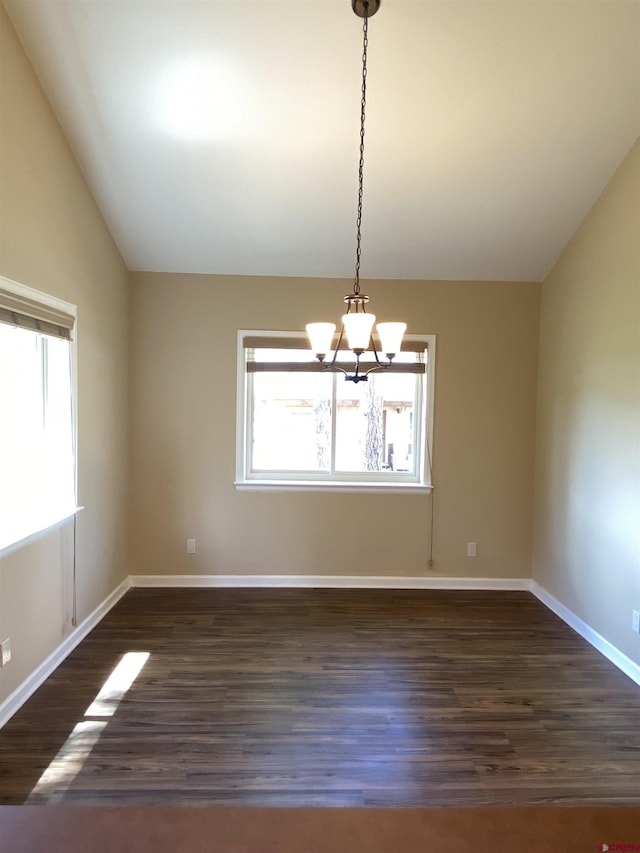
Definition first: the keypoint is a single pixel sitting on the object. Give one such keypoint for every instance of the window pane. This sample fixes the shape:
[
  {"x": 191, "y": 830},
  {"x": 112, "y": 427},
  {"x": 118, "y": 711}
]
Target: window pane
[
  {"x": 291, "y": 422},
  {"x": 37, "y": 480},
  {"x": 60, "y": 485},
  {"x": 374, "y": 423},
  {"x": 21, "y": 427}
]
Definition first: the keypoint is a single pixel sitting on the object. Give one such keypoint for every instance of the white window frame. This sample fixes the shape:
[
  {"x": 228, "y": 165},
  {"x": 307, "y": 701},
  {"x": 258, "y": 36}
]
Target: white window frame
[
  {"x": 421, "y": 482},
  {"x": 49, "y": 301}
]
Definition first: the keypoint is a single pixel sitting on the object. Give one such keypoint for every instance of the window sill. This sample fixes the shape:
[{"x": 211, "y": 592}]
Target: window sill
[
  {"x": 38, "y": 534},
  {"x": 333, "y": 486}
]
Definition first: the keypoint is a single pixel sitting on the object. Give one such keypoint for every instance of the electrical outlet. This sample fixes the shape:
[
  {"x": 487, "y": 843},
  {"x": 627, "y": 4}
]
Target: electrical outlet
[
  {"x": 635, "y": 622},
  {"x": 5, "y": 647},
  {"x": 471, "y": 549},
  {"x": 191, "y": 546}
]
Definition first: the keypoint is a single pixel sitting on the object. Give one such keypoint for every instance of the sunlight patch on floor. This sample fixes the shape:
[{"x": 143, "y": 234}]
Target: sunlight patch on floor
[
  {"x": 72, "y": 755},
  {"x": 114, "y": 688}
]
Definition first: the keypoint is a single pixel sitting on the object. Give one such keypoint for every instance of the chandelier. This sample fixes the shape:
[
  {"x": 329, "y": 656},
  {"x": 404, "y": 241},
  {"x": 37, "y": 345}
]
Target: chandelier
[{"x": 357, "y": 325}]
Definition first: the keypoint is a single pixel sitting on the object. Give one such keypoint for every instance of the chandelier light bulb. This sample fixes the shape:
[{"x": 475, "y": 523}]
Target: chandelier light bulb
[
  {"x": 358, "y": 328},
  {"x": 390, "y": 335},
  {"x": 320, "y": 337}
]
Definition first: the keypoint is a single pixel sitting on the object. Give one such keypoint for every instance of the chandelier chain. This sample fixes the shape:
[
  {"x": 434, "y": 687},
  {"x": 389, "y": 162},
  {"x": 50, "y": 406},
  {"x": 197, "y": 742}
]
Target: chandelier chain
[
  {"x": 356, "y": 324},
  {"x": 363, "y": 105}
]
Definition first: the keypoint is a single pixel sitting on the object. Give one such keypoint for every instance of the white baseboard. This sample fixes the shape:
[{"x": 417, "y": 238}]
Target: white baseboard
[
  {"x": 596, "y": 640},
  {"x": 20, "y": 695},
  {"x": 328, "y": 581}
]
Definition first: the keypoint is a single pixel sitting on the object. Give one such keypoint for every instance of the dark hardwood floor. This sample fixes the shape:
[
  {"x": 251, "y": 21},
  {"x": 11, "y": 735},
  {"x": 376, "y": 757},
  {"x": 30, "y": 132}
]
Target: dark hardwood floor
[{"x": 328, "y": 698}]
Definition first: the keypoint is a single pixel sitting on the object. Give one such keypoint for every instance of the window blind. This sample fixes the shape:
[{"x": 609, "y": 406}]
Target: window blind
[
  {"x": 29, "y": 314},
  {"x": 316, "y": 367},
  {"x": 264, "y": 342},
  {"x": 251, "y": 343}
]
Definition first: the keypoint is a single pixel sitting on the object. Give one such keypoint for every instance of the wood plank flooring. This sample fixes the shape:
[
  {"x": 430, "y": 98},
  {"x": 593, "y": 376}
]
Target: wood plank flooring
[{"x": 328, "y": 698}]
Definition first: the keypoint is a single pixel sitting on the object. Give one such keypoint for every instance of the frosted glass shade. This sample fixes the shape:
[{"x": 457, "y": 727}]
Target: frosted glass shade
[
  {"x": 358, "y": 328},
  {"x": 320, "y": 336},
  {"x": 391, "y": 336}
]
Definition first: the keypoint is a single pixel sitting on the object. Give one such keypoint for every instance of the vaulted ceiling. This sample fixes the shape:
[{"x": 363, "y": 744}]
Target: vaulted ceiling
[{"x": 221, "y": 136}]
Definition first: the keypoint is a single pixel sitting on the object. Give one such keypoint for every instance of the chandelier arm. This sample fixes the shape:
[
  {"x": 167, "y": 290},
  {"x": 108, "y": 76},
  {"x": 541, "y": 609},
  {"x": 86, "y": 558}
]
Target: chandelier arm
[
  {"x": 375, "y": 351},
  {"x": 378, "y": 366},
  {"x": 335, "y": 368},
  {"x": 337, "y": 349}
]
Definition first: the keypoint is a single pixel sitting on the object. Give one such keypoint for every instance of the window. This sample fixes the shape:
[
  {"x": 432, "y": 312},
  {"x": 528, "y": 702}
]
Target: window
[
  {"x": 37, "y": 483},
  {"x": 300, "y": 426}
]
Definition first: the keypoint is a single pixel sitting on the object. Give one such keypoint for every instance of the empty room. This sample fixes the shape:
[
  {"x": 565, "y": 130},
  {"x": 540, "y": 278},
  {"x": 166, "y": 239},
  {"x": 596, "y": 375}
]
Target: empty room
[{"x": 320, "y": 425}]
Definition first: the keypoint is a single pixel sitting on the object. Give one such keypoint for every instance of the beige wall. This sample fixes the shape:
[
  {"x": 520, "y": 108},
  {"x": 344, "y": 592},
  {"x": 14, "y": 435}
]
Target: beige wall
[
  {"x": 183, "y": 405},
  {"x": 53, "y": 238},
  {"x": 587, "y": 507}
]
